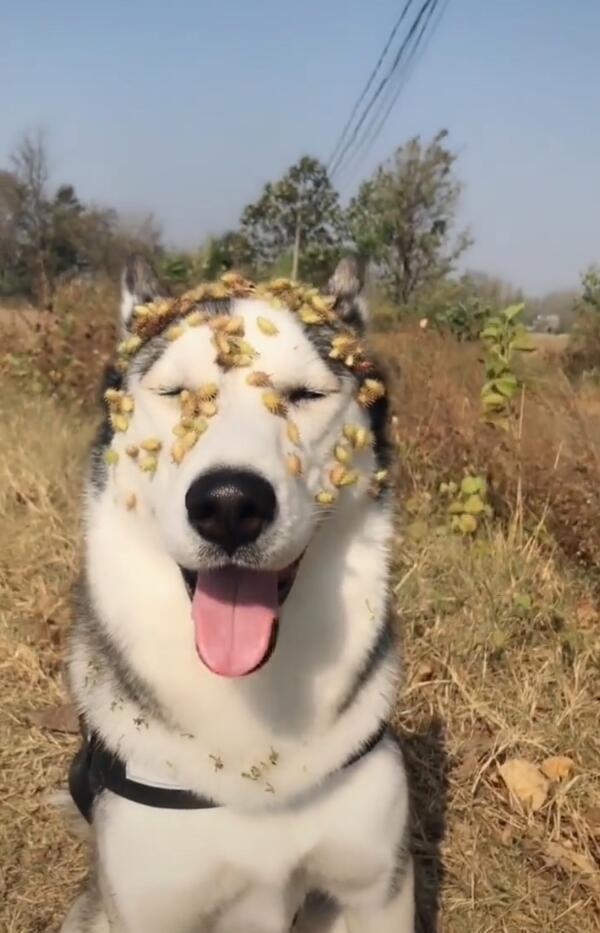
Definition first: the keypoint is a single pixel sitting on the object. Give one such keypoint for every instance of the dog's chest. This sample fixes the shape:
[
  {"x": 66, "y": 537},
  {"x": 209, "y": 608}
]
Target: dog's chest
[
  {"x": 185, "y": 871},
  {"x": 179, "y": 870}
]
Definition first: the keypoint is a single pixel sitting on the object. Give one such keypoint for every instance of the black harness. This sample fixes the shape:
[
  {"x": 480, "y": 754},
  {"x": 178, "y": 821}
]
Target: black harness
[{"x": 95, "y": 768}]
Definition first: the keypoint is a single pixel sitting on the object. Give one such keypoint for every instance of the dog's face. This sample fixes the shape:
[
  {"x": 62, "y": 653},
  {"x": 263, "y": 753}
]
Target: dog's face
[{"x": 241, "y": 425}]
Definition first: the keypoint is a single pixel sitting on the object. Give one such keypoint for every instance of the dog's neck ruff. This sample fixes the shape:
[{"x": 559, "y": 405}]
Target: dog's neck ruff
[{"x": 95, "y": 769}]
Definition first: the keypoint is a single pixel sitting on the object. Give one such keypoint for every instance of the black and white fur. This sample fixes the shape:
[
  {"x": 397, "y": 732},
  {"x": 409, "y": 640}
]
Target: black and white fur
[{"x": 268, "y": 746}]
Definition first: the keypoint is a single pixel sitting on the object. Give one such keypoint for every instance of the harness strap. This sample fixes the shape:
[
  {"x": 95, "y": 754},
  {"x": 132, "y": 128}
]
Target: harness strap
[{"x": 94, "y": 769}]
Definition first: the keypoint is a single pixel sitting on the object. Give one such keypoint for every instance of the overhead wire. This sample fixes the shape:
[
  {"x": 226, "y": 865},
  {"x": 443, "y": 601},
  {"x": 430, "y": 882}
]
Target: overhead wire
[
  {"x": 371, "y": 79},
  {"x": 335, "y": 167},
  {"x": 381, "y": 103},
  {"x": 379, "y": 119}
]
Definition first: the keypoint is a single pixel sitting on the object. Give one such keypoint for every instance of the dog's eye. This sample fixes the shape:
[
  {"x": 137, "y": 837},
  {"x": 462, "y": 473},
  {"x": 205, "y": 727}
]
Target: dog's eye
[
  {"x": 302, "y": 394},
  {"x": 168, "y": 392}
]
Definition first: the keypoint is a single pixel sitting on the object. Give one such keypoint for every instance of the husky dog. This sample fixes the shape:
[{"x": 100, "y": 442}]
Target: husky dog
[{"x": 231, "y": 657}]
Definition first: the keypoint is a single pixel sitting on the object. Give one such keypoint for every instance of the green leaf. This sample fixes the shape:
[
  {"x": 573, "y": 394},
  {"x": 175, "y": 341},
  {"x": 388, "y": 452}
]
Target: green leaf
[
  {"x": 467, "y": 524},
  {"x": 490, "y": 385},
  {"x": 472, "y": 485},
  {"x": 507, "y": 385},
  {"x": 440, "y": 531},
  {"x": 522, "y": 601},
  {"x": 474, "y": 505},
  {"x": 489, "y": 332},
  {"x": 496, "y": 367},
  {"x": 513, "y": 311},
  {"x": 523, "y": 343},
  {"x": 493, "y": 400}
]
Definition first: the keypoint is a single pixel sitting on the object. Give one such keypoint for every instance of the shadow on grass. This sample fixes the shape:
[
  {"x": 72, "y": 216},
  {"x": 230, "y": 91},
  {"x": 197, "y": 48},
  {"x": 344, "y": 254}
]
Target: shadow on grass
[{"x": 427, "y": 766}]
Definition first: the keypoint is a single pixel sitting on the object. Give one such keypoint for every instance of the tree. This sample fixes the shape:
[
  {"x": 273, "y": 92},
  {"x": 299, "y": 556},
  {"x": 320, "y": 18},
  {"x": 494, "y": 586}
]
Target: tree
[
  {"x": 46, "y": 235},
  {"x": 589, "y": 303},
  {"x": 492, "y": 290},
  {"x": 402, "y": 218},
  {"x": 298, "y": 215},
  {"x": 11, "y": 271},
  {"x": 96, "y": 240},
  {"x": 583, "y": 353},
  {"x": 30, "y": 164},
  {"x": 66, "y": 247},
  {"x": 218, "y": 254}
]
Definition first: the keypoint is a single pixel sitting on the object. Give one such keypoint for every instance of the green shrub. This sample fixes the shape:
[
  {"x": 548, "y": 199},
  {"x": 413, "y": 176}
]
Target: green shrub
[{"x": 582, "y": 358}]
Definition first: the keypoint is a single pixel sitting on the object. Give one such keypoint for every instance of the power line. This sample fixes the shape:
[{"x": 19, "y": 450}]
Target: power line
[
  {"x": 370, "y": 81},
  {"x": 381, "y": 87},
  {"x": 404, "y": 57},
  {"x": 380, "y": 117}
]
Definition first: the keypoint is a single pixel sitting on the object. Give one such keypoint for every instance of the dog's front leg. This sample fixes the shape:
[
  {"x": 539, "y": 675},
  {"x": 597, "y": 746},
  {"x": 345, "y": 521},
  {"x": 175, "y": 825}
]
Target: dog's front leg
[
  {"x": 396, "y": 916},
  {"x": 87, "y": 915},
  {"x": 320, "y": 915},
  {"x": 260, "y": 910}
]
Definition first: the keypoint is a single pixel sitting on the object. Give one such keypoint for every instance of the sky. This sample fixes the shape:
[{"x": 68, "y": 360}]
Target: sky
[{"x": 187, "y": 107}]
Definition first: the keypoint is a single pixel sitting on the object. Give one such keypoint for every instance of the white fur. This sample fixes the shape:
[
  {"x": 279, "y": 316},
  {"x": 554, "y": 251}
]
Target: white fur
[{"x": 301, "y": 824}]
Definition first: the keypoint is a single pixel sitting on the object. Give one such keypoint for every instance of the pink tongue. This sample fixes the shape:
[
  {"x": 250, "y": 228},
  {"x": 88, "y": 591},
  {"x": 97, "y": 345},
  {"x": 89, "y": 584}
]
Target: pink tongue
[{"x": 233, "y": 612}]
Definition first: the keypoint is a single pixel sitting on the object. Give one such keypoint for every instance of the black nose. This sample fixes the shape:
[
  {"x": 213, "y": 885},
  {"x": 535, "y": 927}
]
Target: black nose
[{"x": 230, "y": 507}]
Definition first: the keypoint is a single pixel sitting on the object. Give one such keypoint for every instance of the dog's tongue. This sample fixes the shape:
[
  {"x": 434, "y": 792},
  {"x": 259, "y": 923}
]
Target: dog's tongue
[{"x": 233, "y": 612}]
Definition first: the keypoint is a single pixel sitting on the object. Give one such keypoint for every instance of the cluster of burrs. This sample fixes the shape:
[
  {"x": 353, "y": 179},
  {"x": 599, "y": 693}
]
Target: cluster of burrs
[
  {"x": 343, "y": 472},
  {"x": 172, "y": 317},
  {"x": 153, "y": 318}
]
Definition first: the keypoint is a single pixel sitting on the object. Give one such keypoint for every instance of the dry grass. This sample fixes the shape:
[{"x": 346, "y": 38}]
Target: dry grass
[
  {"x": 551, "y": 466},
  {"x": 64, "y": 351},
  {"x": 40, "y": 466},
  {"x": 486, "y": 681},
  {"x": 551, "y": 345},
  {"x": 489, "y": 674}
]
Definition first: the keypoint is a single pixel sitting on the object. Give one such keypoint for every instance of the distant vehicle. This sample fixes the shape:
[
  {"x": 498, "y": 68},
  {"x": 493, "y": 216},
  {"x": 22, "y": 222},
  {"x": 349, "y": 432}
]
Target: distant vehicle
[{"x": 547, "y": 324}]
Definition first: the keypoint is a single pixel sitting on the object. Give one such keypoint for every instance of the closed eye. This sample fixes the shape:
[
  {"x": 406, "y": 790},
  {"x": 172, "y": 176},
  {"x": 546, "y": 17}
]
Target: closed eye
[
  {"x": 168, "y": 391},
  {"x": 303, "y": 394}
]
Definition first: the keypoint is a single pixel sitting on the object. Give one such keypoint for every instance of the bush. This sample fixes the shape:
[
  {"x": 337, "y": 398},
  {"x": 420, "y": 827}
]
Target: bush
[
  {"x": 464, "y": 320},
  {"x": 583, "y": 352},
  {"x": 456, "y": 306},
  {"x": 546, "y": 468},
  {"x": 64, "y": 352}
]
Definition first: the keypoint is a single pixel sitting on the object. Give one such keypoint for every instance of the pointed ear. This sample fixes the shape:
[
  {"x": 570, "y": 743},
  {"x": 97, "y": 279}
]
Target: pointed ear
[
  {"x": 139, "y": 285},
  {"x": 346, "y": 285}
]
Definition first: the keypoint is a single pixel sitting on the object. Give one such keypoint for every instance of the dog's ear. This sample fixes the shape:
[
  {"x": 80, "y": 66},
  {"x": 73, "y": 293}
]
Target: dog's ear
[
  {"x": 139, "y": 285},
  {"x": 346, "y": 286}
]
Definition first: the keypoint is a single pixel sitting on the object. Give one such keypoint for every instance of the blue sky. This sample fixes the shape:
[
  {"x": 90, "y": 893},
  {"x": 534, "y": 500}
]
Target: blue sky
[{"x": 187, "y": 108}]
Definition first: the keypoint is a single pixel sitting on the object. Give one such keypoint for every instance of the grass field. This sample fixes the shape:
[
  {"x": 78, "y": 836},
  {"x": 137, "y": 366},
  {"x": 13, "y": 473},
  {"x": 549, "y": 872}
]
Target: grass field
[{"x": 500, "y": 633}]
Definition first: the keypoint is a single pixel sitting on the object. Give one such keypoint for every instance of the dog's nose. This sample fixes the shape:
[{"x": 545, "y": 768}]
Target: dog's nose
[{"x": 230, "y": 507}]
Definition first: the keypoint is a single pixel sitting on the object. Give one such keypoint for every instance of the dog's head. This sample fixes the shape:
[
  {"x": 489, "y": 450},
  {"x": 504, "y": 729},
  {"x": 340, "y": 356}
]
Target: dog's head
[{"x": 243, "y": 417}]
